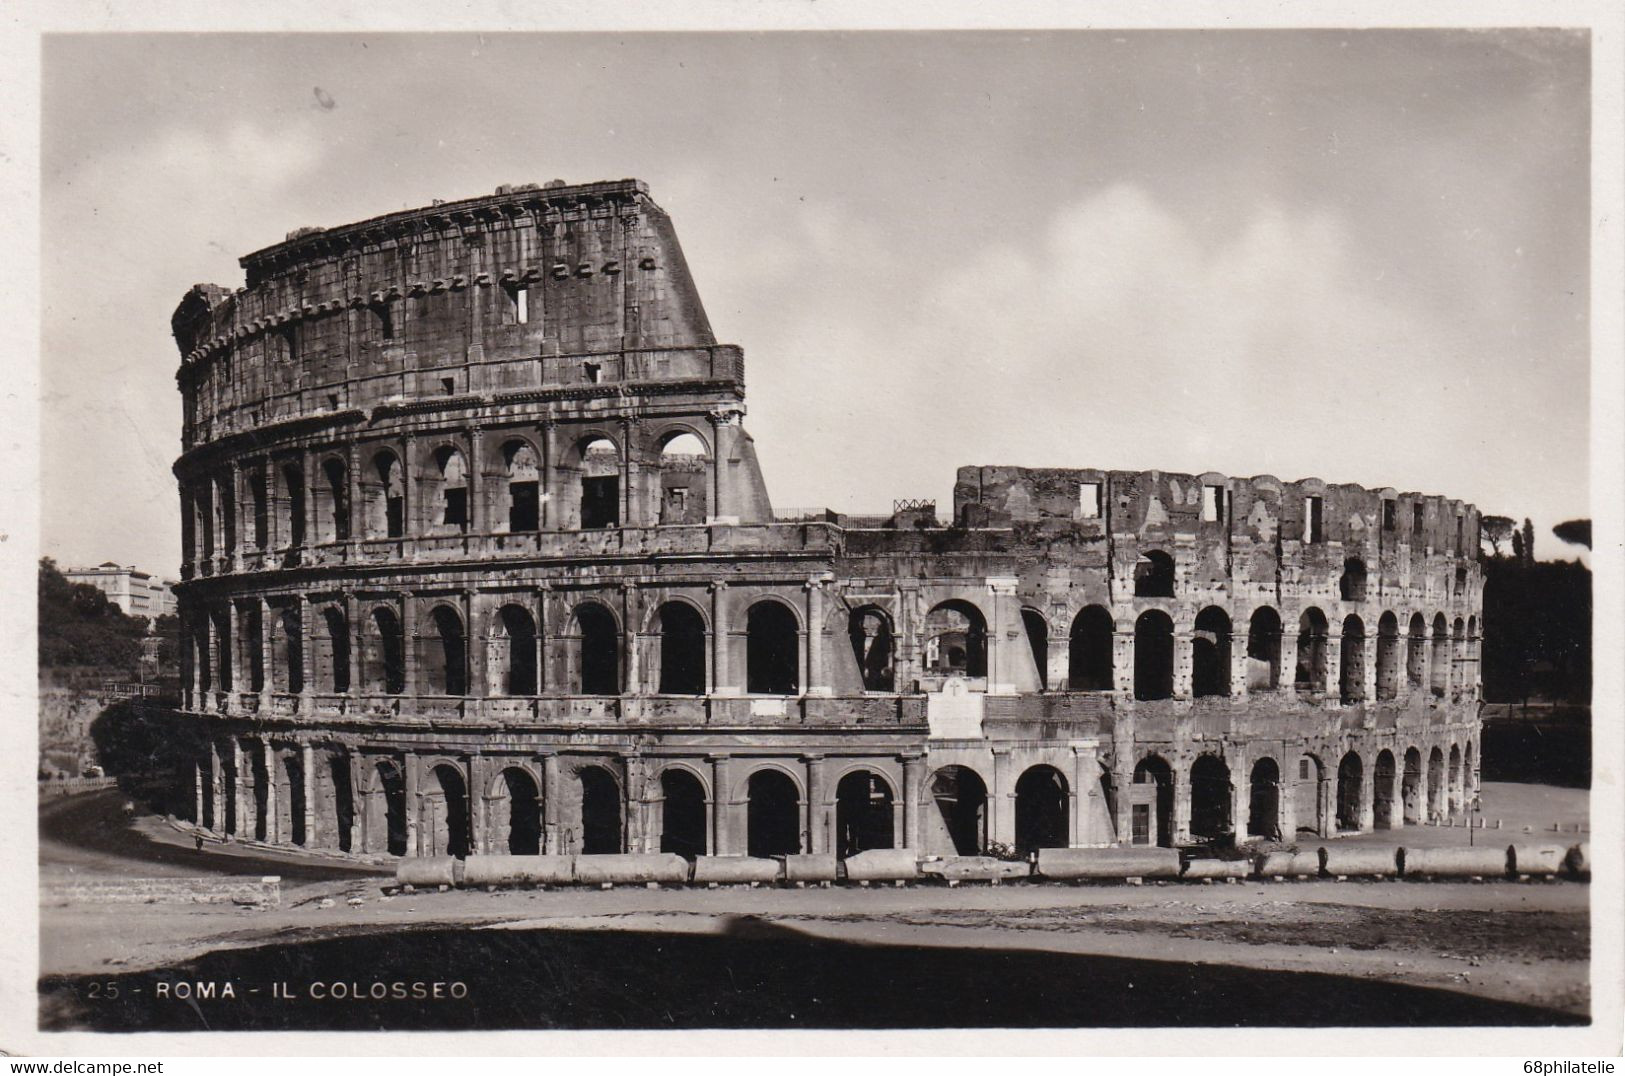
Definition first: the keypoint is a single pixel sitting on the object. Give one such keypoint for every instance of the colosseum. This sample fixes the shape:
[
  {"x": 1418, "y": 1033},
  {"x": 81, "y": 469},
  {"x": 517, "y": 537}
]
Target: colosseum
[{"x": 479, "y": 559}]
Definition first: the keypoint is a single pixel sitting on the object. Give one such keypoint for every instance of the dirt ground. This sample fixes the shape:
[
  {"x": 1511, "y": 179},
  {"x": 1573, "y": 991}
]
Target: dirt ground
[{"x": 1518, "y": 951}]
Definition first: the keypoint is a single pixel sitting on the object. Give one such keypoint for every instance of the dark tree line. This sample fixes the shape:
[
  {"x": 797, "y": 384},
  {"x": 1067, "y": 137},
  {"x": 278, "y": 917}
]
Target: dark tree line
[
  {"x": 1537, "y": 618},
  {"x": 78, "y": 625}
]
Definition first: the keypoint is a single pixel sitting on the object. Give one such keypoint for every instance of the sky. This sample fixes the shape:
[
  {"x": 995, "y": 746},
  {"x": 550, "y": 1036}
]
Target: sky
[{"x": 1360, "y": 256}]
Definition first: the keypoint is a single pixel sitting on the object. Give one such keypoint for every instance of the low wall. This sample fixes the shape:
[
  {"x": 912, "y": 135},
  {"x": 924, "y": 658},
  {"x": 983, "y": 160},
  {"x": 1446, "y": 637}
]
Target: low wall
[{"x": 257, "y": 891}]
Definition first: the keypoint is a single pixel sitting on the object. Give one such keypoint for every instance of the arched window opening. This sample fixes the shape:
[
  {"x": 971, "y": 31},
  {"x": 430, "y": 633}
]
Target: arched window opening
[
  {"x": 960, "y": 795},
  {"x": 524, "y": 812},
  {"x": 1352, "y": 584},
  {"x": 1350, "y": 778},
  {"x": 598, "y": 660},
  {"x": 337, "y": 647},
  {"x": 524, "y": 487},
  {"x": 1151, "y": 802},
  {"x": 1416, "y": 651},
  {"x": 259, "y": 494},
  {"x": 772, "y": 651},
  {"x": 1210, "y": 653},
  {"x": 287, "y": 664},
  {"x": 1153, "y": 656},
  {"x": 956, "y": 640},
  {"x": 1441, "y": 657},
  {"x": 336, "y": 517},
  {"x": 343, "y": 814},
  {"x": 1436, "y": 792},
  {"x": 1387, "y": 657},
  {"x": 683, "y": 486},
  {"x": 293, "y": 491},
  {"x": 516, "y": 651},
  {"x": 291, "y": 799},
  {"x": 772, "y": 815},
  {"x": 682, "y": 813},
  {"x": 600, "y": 812},
  {"x": 1089, "y": 655},
  {"x": 1382, "y": 791},
  {"x": 225, "y": 500},
  {"x": 1043, "y": 807},
  {"x": 389, "y": 816},
  {"x": 444, "y": 657},
  {"x": 870, "y": 632},
  {"x": 1410, "y": 788},
  {"x": 1154, "y": 575},
  {"x": 1264, "y": 650},
  {"x": 222, "y": 648},
  {"x": 1351, "y": 662},
  {"x": 600, "y": 484},
  {"x": 1038, "y": 639},
  {"x": 386, "y": 498},
  {"x": 446, "y": 805},
  {"x": 198, "y": 641},
  {"x": 452, "y": 475},
  {"x": 386, "y": 660},
  {"x": 1307, "y": 802},
  {"x": 1264, "y": 800},
  {"x": 1453, "y": 801},
  {"x": 1210, "y": 799},
  {"x": 863, "y": 813},
  {"x": 682, "y": 650},
  {"x": 251, "y": 645},
  {"x": 1310, "y": 674}
]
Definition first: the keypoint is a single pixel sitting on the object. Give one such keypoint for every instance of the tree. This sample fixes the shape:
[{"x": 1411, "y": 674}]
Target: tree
[
  {"x": 1574, "y": 532},
  {"x": 1497, "y": 531},
  {"x": 79, "y": 626},
  {"x": 1528, "y": 542}
]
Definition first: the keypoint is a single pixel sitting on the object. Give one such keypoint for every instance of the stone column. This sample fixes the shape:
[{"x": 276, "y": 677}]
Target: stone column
[
  {"x": 1082, "y": 790},
  {"x": 1182, "y": 800},
  {"x": 267, "y": 672},
  {"x": 628, "y": 474},
  {"x": 1000, "y": 663},
  {"x": 549, "y": 461},
  {"x": 313, "y": 534},
  {"x": 410, "y": 527},
  {"x": 307, "y": 668},
  {"x": 245, "y": 801},
  {"x": 719, "y": 422},
  {"x": 414, "y": 794},
  {"x": 914, "y": 778},
  {"x": 1001, "y": 800},
  {"x": 1334, "y": 668},
  {"x": 409, "y": 645},
  {"x": 1184, "y": 643},
  {"x": 477, "y": 512},
  {"x": 817, "y": 680},
  {"x": 273, "y": 809},
  {"x": 1238, "y": 664},
  {"x": 1123, "y": 664},
  {"x": 479, "y": 807},
  {"x": 817, "y": 813},
  {"x": 235, "y": 646},
  {"x": 475, "y": 671},
  {"x": 354, "y": 515},
  {"x": 639, "y": 832},
  {"x": 307, "y": 777},
  {"x": 1241, "y": 797},
  {"x": 631, "y": 617},
  {"x": 722, "y": 806},
  {"x": 550, "y": 804},
  {"x": 721, "y": 681}
]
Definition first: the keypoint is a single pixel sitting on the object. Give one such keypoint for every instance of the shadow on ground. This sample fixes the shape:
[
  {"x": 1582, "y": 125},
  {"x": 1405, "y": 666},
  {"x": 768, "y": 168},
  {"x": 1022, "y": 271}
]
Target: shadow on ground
[{"x": 755, "y": 975}]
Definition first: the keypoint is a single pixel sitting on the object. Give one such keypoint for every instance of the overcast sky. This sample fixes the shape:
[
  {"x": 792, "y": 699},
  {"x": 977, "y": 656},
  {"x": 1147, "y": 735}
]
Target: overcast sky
[{"x": 1360, "y": 256}]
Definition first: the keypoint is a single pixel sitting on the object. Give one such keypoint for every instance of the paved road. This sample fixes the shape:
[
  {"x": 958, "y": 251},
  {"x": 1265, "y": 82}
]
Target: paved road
[{"x": 90, "y": 834}]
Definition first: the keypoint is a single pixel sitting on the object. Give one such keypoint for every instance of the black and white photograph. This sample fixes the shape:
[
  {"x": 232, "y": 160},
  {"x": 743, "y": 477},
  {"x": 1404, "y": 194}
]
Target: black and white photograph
[{"x": 809, "y": 524}]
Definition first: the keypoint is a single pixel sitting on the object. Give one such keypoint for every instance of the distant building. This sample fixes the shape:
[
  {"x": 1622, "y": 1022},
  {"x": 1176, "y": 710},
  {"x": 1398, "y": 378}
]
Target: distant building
[{"x": 135, "y": 592}]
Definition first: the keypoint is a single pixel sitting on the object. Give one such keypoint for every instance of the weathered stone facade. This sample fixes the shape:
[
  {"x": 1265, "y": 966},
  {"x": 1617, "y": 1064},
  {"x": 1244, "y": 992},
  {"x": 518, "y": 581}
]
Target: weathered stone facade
[{"x": 478, "y": 558}]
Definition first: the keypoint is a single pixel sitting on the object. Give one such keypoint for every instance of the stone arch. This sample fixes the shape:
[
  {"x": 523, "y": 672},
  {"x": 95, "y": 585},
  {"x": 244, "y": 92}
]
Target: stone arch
[
  {"x": 1264, "y": 800},
  {"x": 772, "y": 813},
  {"x": 681, "y": 655},
  {"x": 601, "y": 815},
  {"x": 1351, "y": 662},
  {"x": 1416, "y": 652},
  {"x": 1439, "y": 678},
  {"x": 1154, "y": 574},
  {"x": 514, "y": 664},
  {"x": 385, "y": 659},
  {"x": 1350, "y": 779},
  {"x": 287, "y": 658},
  {"x": 596, "y": 646},
  {"x": 597, "y": 456},
  {"x": 522, "y": 478},
  {"x": 1036, "y": 628},
  {"x": 333, "y": 650},
  {"x": 333, "y": 501},
  {"x": 1157, "y": 809},
  {"x": 960, "y": 797},
  {"x": 516, "y": 809},
  {"x": 864, "y": 810},
  {"x": 1264, "y": 649},
  {"x": 1308, "y": 807},
  {"x": 383, "y": 488},
  {"x": 683, "y": 827},
  {"x": 444, "y": 816},
  {"x": 1382, "y": 790},
  {"x": 1410, "y": 789},
  {"x": 1211, "y": 798},
  {"x": 682, "y": 477},
  {"x": 772, "y": 648},
  {"x": 385, "y": 807},
  {"x": 445, "y": 488},
  {"x": 1153, "y": 655},
  {"x": 1089, "y": 655},
  {"x": 443, "y": 653},
  {"x": 869, "y": 629},
  {"x": 1436, "y": 791},
  {"x": 1210, "y": 653},
  {"x": 956, "y": 639},
  {"x": 1387, "y": 657},
  {"x": 1453, "y": 786},
  {"x": 292, "y": 490},
  {"x": 1043, "y": 809},
  {"x": 1310, "y": 674}
]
